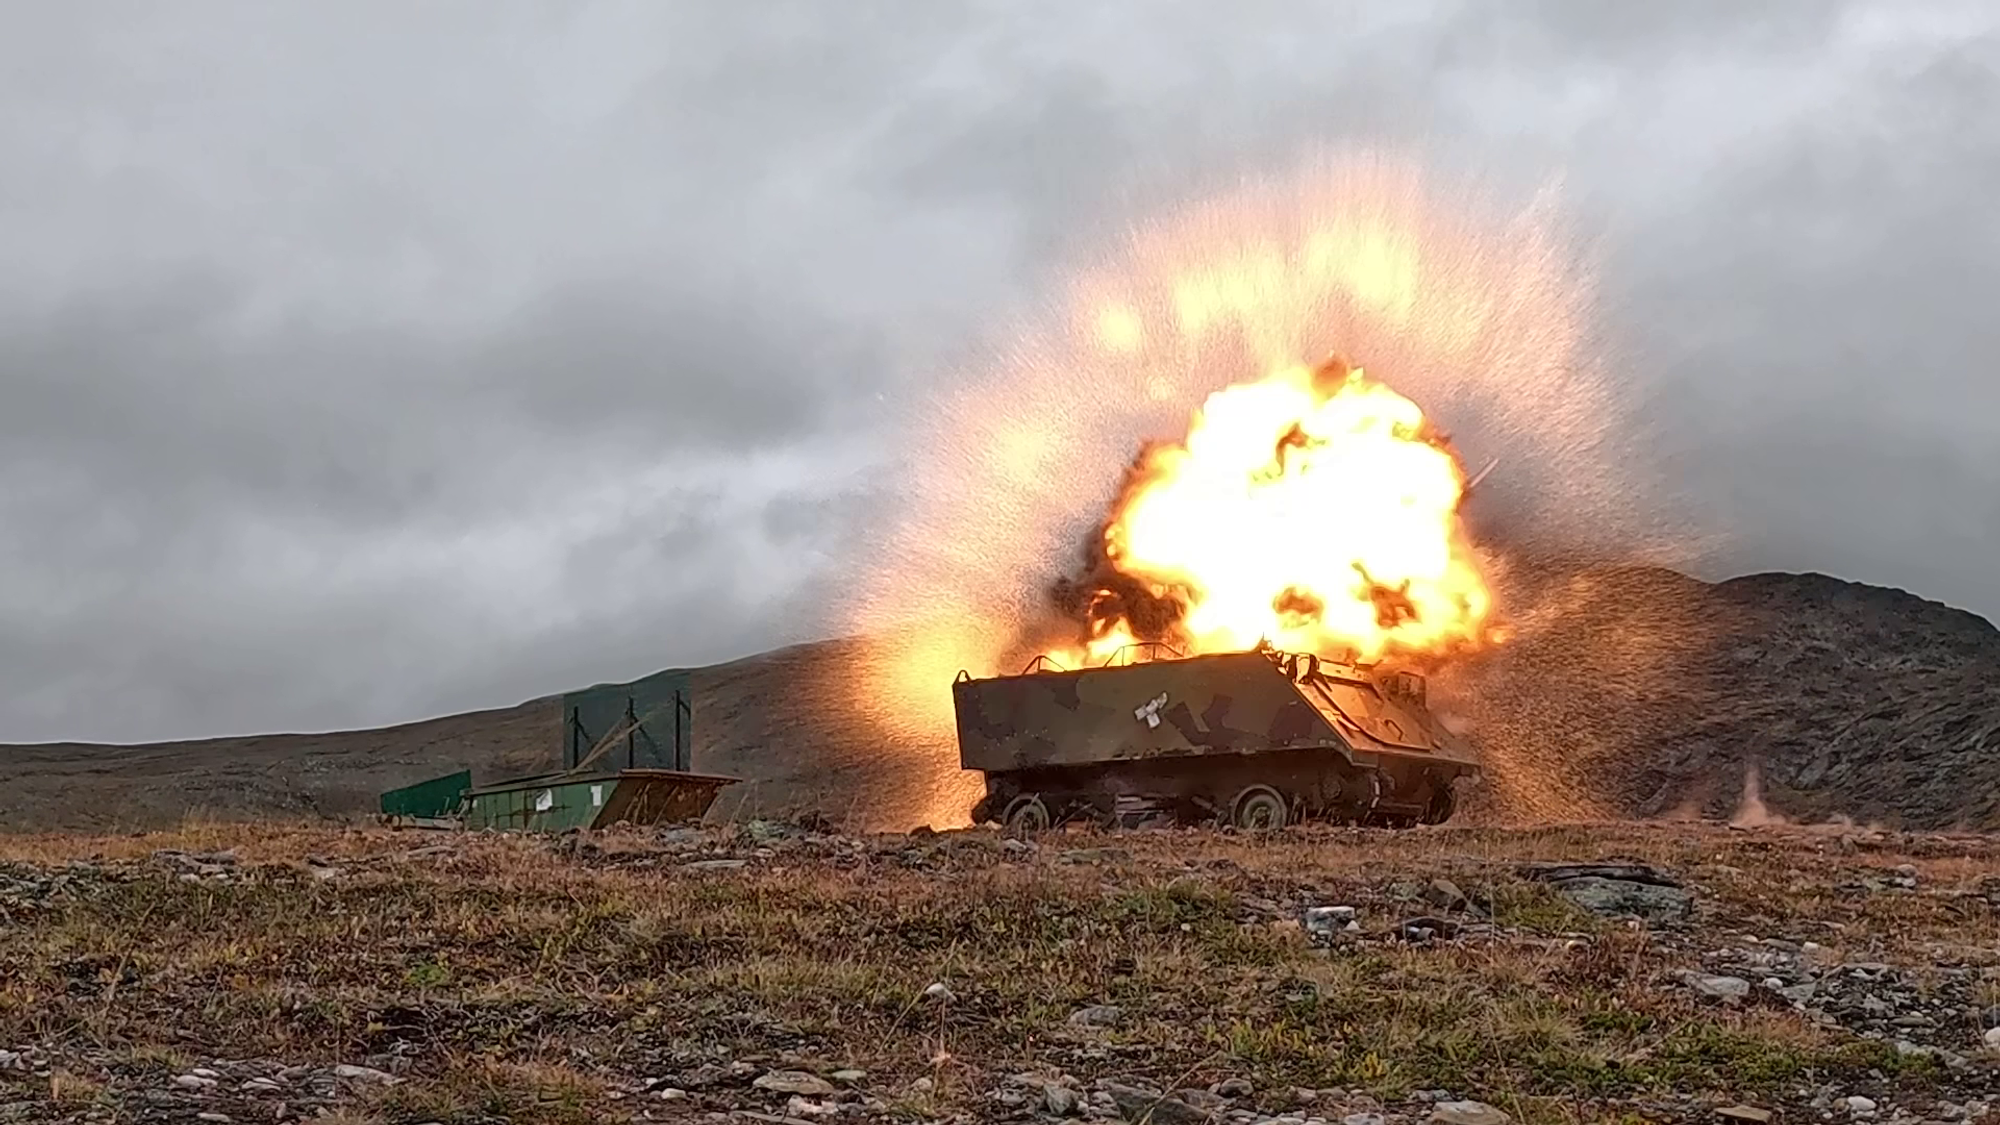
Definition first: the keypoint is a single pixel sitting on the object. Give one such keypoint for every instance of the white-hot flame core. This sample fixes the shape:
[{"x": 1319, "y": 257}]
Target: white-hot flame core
[{"x": 1291, "y": 507}]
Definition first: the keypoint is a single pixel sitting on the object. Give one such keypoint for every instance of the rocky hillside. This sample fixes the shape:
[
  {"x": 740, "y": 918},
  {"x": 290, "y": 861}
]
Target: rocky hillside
[
  {"x": 1643, "y": 692},
  {"x": 1627, "y": 692}
]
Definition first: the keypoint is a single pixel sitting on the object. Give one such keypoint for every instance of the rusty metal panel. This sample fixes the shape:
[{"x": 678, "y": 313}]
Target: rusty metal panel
[
  {"x": 558, "y": 802},
  {"x": 660, "y": 797}
]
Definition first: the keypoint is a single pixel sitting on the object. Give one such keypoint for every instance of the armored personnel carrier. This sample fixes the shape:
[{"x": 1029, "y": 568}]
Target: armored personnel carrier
[{"x": 1255, "y": 739}]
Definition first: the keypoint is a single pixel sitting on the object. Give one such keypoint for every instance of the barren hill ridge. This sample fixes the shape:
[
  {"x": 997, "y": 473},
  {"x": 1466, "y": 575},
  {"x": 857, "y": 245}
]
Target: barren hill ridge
[{"x": 1635, "y": 692}]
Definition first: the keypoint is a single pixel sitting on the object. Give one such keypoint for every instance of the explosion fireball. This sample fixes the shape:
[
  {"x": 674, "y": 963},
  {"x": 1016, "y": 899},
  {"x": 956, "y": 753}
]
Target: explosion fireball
[{"x": 1315, "y": 510}]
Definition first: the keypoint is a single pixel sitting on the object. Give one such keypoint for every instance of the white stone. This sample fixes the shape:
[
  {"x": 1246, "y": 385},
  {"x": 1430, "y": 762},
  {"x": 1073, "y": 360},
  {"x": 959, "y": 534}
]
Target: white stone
[
  {"x": 363, "y": 1074},
  {"x": 1097, "y": 1015},
  {"x": 1468, "y": 1113},
  {"x": 1729, "y": 990},
  {"x": 795, "y": 1082},
  {"x": 1326, "y": 920}
]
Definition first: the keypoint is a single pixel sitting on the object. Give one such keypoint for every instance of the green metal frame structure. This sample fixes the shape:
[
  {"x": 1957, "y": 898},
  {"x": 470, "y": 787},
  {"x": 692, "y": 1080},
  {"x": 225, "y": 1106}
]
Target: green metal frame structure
[
  {"x": 655, "y": 714},
  {"x": 627, "y": 749}
]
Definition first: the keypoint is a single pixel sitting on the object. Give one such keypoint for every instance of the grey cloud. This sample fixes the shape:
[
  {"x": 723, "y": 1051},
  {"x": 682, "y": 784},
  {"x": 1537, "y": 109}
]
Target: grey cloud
[{"x": 364, "y": 361}]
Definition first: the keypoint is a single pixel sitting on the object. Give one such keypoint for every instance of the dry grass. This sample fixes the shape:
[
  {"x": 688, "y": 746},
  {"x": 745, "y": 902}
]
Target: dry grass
[{"x": 533, "y": 980}]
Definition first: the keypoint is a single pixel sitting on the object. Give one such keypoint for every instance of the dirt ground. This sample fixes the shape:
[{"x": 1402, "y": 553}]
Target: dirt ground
[{"x": 767, "y": 971}]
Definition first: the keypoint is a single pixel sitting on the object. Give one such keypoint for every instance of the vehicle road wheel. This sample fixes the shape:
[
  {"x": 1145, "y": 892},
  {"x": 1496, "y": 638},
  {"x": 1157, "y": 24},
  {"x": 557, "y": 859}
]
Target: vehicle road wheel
[
  {"x": 1360, "y": 789},
  {"x": 1259, "y": 808},
  {"x": 1442, "y": 803},
  {"x": 1026, "y": 816}
]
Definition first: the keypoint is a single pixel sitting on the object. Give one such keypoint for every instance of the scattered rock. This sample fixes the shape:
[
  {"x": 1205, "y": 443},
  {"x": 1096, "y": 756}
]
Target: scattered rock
[
  {"x": 1729, "y": 990},
  {"x": 1467, "y": 1113},
  {"x": 1617, "y": 889},
  {"x": 363, "y": 1074},
  {"x": 1060, "y": 1101},
  {"x": 937, "y": 993},
  {"x": 1616, "y": 898},
  {"x": 716, "y": 865},
  {"x": 1427, "y": 929},
  {"x": 1621, "y": 872},
  {"x": 1095, "y": 856},
  {"x": 849, "y": 1076},
  {"x": 1323, "y": 922},
  {"x": 1097, "y": 1015},
  {"x": 1363, "y": 1119},
  {"x": 1235, "y": 1088},
  {"x": 1795, "y": 994},
  {"x": 193, "y": 1082},
  {"x": 1136, "y": 1104},
  {"x": 800, "y": 1107},
  {"x": 1858, "y": 1104},
  {"x": 196, "y": 860},
  {"x": 1992, "y": 1038},
  {"x": 701, "y": 1077},
  {"x": 1446, "y": 896},
  {"x": 795, "y": 1082},
  {"x": 1749, "y": 1113},
  {"x": 1203, "y": 1100}
]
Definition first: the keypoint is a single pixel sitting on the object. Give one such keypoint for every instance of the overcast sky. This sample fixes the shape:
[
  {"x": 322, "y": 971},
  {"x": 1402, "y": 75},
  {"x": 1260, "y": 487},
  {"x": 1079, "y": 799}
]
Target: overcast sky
[{"x": 365, "y": 361}]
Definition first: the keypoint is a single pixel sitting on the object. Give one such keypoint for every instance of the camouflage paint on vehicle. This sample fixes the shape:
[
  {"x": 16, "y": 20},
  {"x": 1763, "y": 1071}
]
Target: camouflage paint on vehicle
[{"x": 1244, "y": 703}]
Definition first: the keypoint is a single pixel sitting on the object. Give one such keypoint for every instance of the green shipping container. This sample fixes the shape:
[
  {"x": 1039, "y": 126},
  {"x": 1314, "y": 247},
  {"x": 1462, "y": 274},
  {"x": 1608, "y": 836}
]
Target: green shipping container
[{"x": 428, "y": 800}]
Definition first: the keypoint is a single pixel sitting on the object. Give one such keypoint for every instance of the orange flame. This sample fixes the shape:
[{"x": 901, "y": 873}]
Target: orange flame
[{"x": 1315, "y": 510}]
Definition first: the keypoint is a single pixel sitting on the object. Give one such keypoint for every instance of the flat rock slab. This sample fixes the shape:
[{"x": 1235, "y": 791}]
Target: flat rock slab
[
  {"x": 1468, "y": 1113},
  {"x": 1622, "y": 872},
  {"x": 1619, "y": 897}
]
